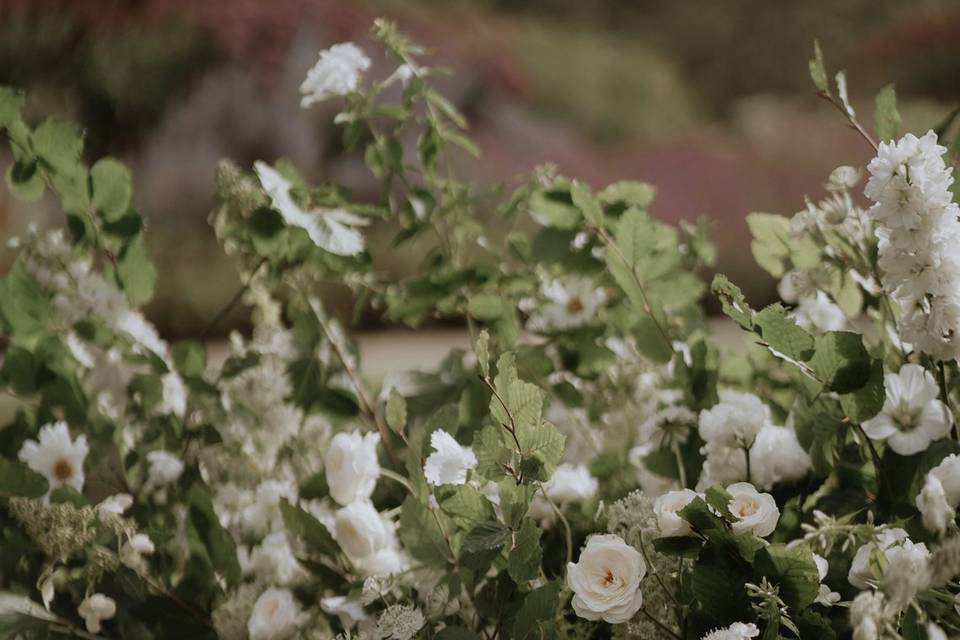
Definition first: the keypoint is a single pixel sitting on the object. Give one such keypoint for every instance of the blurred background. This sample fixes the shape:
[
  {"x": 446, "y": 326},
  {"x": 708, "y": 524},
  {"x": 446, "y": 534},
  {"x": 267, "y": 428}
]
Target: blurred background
[{"x": 709, "y": 100}]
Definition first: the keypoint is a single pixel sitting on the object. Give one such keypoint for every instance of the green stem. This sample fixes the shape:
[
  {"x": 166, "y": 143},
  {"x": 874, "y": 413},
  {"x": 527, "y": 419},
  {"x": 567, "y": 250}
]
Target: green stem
[{"x": 681, "y": 469}]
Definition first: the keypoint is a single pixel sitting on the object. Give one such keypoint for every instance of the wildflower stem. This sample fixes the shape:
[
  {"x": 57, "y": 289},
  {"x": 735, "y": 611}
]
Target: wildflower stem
[
  {"x": 681, "y": 469},
  {"x": 746, "y": 454},
  {"x": 851, "y": 121},
  {"x": 233, "y": 302}
]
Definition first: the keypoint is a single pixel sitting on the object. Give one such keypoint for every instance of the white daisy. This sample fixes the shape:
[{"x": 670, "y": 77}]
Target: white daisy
[
  {"x": 571, "y": 302},
  {"x": 56, "y": 456},
  {"x": 912, "y": 416}
]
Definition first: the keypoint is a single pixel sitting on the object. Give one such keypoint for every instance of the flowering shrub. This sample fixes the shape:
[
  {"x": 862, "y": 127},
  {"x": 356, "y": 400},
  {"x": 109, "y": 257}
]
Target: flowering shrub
[{"x": 595, "y": 466}]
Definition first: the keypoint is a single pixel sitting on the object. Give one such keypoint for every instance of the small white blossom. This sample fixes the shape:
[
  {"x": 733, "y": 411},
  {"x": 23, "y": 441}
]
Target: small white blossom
[
  {"x": 825, "y": 596},
  {"x": 736, "y": 631},
  {"x": 165, "y": 469},
  {"x": 95, "y": 609},
  {"x": 940, "y": 496},
  {"x": 115, "y": 505},
  {"x": 571, "y": 483},
  {"x": 912, "y": 417},
  {"x": 56, "y": 456},
  {"x": 449, "y": 462},
  {"x": 336, "y": 73},
  {"x": 861, "y": 572},
  {"x": 667, "y": 509}
]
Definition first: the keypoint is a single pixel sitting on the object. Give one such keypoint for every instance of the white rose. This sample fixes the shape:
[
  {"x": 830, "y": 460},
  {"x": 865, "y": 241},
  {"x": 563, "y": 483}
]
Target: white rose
[
  {"x": 606, "y": 580},
  {"x": 932, "y": 503},
  {"x": 351, "y": 466},
  {"x": 756, "y": 511},
  {"x": 449, "y": 462},
  {"x": 571, "y": 483},
  {"x": 275, "y": 616},
  {"x": 776, "y": 456},
  {"x": 667, "y": 509},
  {"x": 368, "y": 539}
]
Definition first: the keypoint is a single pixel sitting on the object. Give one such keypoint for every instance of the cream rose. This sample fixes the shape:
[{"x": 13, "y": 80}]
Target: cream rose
[
  {"x": 757, "y": 512},
  {"x": 667, "y": 509},
  {"x": 606, "y": 580},
  {"x": 351, "y": 466},
  {"x": 275, "y": 616},
  {"x": 360, "y": 530}
]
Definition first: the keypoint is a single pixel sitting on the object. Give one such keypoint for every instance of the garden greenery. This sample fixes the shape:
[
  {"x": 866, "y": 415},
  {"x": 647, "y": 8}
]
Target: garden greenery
[{"x": 596, "y": 467}]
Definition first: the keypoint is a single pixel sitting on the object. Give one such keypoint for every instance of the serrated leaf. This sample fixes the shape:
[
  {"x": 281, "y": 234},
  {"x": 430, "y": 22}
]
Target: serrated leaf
[
  {"x": 585, "y": 201},
  {"x": 421, "y": 534},
  {"x": 886, "y": 116},
  {"x": 59, "y": 144},
  {"x": 793, "y": 570},
  {"x": 542, "y": 442},
  {"x": 782, "y": 333},
  {"x": 866, "y": 402},
  {"x": 539, "y": 608},
  {"x": 523, "y": 563},
  {"x": 482, "y": 350},
  {"x": 25, "y": 180},
  {"x": 732, "y": 301},
  {"x": 465, "y": 505},
  {"x": 841, "y": 362},
  {"x": 301, "y": 524},
  {"x": 111, "y": 187},
  {"x": 486, "y": 536},
  {"x": 396, "y": 411},
  {"x": 629, "y": 192}
]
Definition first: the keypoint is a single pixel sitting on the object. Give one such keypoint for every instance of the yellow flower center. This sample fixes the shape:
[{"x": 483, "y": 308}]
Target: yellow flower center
[
  {"x": 62, "y": 469},
  {"x": 574, "y": 305}
]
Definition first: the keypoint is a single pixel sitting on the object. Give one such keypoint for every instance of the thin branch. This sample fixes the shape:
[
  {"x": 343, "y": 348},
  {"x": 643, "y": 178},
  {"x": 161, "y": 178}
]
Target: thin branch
[
  {"x": 234, "y": 301},
  {"x": 851, "y": 121}
]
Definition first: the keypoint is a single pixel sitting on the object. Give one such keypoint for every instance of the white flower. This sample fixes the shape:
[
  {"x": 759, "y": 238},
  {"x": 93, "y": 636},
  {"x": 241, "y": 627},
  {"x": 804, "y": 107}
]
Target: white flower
[
  {"x": 95, "y": 609},
  {"x": 133, "y": 550},
  {"x": 273, "y": 561},
  {"x": 757, "y": 512},
  {"x": 399, "y": 622},
  {"x": 935, "y": 632},
  {"x": 867, "y": 614},
  {"x": 906, "y": 573},
  {"x": 367, "y": 538},
  {"x": 843, "y": 178},
  {"x": 333, "y": 230},
  {"x": 165, "y": 469},
  {"x": 351, "y": 466},
  {"x": 263, "y": 514},
  {"x": 918, "y": 229},
  {"x": 668, "y": 426},
  {"x": 912, "y": 417},
  {"x": 349, "y": 610},
  {"x": 115, "y": 505},
  {"x": 56, "y": 456},
  {"x": 275, "y": 616},
  {"x": 821, "y": 313},
  {"x": 571, "y": 483},
  {"x": 861, "y": 572},
  {"x": 776, "y": 456},
  {"x": 826, "y": 596},
  {"x": 667, "y": 509},
  {"x": 174, "y": 395},
  {"x": 736, "y": 631},
  {"x": 336, "y": 73},
  {"x": 606, "y": 580},
  {"x": 449, "y": 462},
  {"x": 940, "y": 496},
  {"x": 571, "y": 302},
  {"x": 734, "y": 421}
]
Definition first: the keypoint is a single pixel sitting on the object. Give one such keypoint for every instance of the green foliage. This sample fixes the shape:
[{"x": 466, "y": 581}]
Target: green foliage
[{"x": 886, "y": 117}]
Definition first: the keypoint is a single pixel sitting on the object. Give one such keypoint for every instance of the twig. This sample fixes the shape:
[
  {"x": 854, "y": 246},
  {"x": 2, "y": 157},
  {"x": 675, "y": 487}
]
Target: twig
[
  {"x": 851, "y": 121},
  {"x": 237, "y": 297}
]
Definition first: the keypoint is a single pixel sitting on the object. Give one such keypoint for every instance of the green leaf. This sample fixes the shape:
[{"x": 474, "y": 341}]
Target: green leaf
[
  {"x": 782, "y": 333},
  {"x": 136, "y": 272},
  {"x": 540, "y": 606},
  {"x": 217, "y": 540},
  {"x": 555, "y": 207},
  {"x": 523, "y": 563},
  {"x": 25, "y": 180},
  {"x": 628, "y": 192},
  {"x": 421, "y": 534},
  {"x": 23, "y": 305},
  {"x": 486, "y": 307},
  {"x": 456, "y": 633},
  {"x": 301, "y": 524},
  {"x": 482, "y": 350},
  {"x": 818, "y": 71},
  {"x": 514, "y": 500},
  {"x": 793, "y": 570},
  {"x": 464, "y": 504},
  {"x": 682, "y": 546},
  {"x": 491, "y": 452},
  {"x": 486, "y": 536},
  {"x": 732, "y": 301},
  {"x": 841, "y": 362},
  {"x": 190, "y": 357},
  {"x": 17, "y": 479},
  {"x": 866, "y": 402},
  {"x": 885, "y": 115},
  {"x": 11, "y": 104},
  {"x": 59, "y": 143},
  {"x": 584, "y": 200},
  {"x": 111, "y": 185},
  {"x": 650, "y": 340},
  {"x": 771, "y": 242},
  {"x": 543, "y": 442},
  {"x": 396, "y": 411},
  {"x": 517, "y": 404}
]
